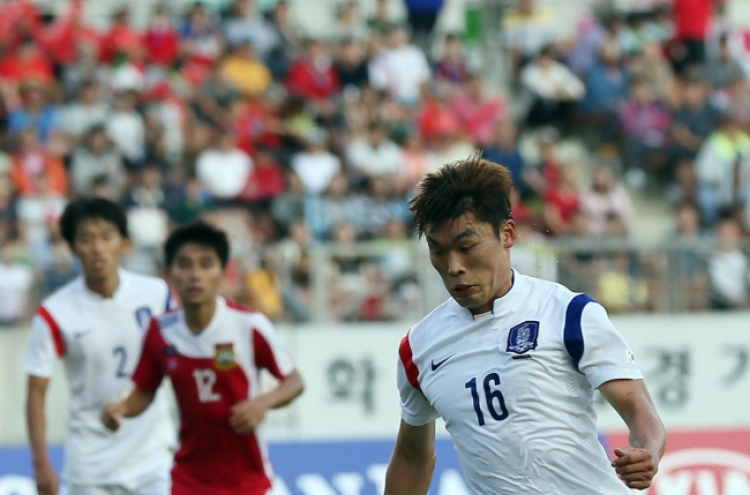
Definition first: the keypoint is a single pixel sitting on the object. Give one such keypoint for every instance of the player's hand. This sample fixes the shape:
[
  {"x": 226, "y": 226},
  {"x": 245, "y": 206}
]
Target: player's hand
[
  {"x": 46, "y": 479},
  {"x": 635, "y": 467},
  {"x": 247, "y": 415},
  {"x": 112, "y": 416}
]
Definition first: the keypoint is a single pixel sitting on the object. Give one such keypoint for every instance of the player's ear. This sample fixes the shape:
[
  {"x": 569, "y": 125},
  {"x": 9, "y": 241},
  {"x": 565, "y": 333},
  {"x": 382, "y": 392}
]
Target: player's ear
[
  {"x": 127, "y": 245},
  {"x": 508, "y": 233}
]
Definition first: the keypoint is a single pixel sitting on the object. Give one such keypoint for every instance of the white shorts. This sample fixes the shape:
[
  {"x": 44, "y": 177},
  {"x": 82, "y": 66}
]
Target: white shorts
[{"x": 158, "y": 485}]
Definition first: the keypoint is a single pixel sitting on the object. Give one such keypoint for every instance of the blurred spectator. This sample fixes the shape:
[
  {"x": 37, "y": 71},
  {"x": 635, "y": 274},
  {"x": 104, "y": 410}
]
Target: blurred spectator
[
  {"x": 380, "y": 23},
  {"x": 289, "y": 206},
  {"x": 693, "y": 121},
  {"x": 335, "y": 206},
  {"x": 244, "y": 71},
  {"x": 722, "y": 69},
  {"x": 31, "y": 162},
  {"x": 61, "y": 267},
  {"x": 728, "y": 268},
  {"x": 437, "y": 117},
  {"x": 349, "y": 25},
  {"x": 120, "y": 39},
  {"x": 553, "y": 88},
  {"x": 95, "y": 156},
  {"x": 266, "y": 181},
  {"x": 16, "y": 279},
  {"x": 692, "y": 19},
  {"x": 145, "y": 206},
  {"x": 652, "y": 66},
  {"x": 528, "y": 29},
  {"x": 422, "y": 15},
  {"x": 314, "y": 78},
  {"x": 374, "y": 155},
  {"x": 504, "y": 150},
  {"x": 735, "y": 99},
  {"x": 607, "y": 205},
  {"x": 722, "y": 169},
  {"x": 592, "y": 34},
  {"x": 190, "y": 203},
  {"x": 532, "y": 254},
  {"x": 38, "y": 214},
  {"x": 263, "y": 286},
  {"x": 213, "y": 99},
  {"x": 645, "y": 122},
  {"x": 417, "y": 161},
  {"x": 562, "y": 200},
  {"x": 478, "y": 111},
  {"x": 26, "y": 64},
  {"x": 617, "y": 289},
  {"x": 247, "y": 24},
  {"x": 202, "y": 43},
  {"x": 351, "y": 67},
  {"x": 224, "y": 169},
  {"x": 291, "y": 39},
  {"x": 36, "y": 111},
  {"x": 126, "y": 129},
  {"x": 86, "y": 111},
  {"x": 401, "y": 68},
  {"x": 161, "y": 39},
  {"x": 381, "y": 205},
  {"x": 452, "y": 69},
  {"x": 607, "y": 88},
  {"x": 316, "y": 166}
]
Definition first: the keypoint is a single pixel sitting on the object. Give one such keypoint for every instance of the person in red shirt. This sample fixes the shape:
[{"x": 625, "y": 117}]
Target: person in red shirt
[
  {"x": 314, "y": 78},
  {"x": 27, "y": 63},
  {"x": 121, "y": 38},
  {"x": 692, "y": 21},
  {"x": 213, "y": 351},
  {"x": 562, "y": 201},
  {"x": 161, "y": 40}
]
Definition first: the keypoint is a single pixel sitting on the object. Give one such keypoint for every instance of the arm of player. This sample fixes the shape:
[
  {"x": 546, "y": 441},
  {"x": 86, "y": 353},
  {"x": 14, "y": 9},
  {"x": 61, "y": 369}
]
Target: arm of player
[
  {"x": 132, "y": 405},
  {"x": 413, "y": 461},
  {"x": 248, "y": 414},
  {"x": 47, "y": 482},
  {"x": 637, "y": 464}
]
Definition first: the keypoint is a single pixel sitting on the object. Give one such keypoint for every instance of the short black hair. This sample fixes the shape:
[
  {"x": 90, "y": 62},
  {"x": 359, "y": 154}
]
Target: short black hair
[
  {"x": 90, "y": 208},
  {"x": 471, "y": 185},
  {"x": 200, "y": 233}
]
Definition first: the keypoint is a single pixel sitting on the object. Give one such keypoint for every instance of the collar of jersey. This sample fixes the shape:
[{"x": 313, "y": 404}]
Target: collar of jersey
[
  {"x": 504, "y": 305},
  {"x": 118, "y": 294},
  {"x": 221, "y": 305}
]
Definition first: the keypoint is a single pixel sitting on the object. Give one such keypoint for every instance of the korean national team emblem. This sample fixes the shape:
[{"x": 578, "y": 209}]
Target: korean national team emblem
[
  {"x": 523, "y": 337},
  {"x": 143, "y": 317},
  {"x": 224, "y": 357}
]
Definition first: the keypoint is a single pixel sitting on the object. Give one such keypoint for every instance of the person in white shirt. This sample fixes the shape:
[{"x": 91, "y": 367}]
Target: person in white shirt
[
  {"x": 511, "y": 362},
  {"x": 224, "y": 169},
  {"x": 96, "y": 325},
  {"x": 401, "y": 69}
]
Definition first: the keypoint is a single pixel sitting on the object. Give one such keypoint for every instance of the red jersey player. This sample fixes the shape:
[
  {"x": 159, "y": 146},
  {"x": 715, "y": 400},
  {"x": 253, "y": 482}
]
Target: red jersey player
[{"x": 212, "y": 351}]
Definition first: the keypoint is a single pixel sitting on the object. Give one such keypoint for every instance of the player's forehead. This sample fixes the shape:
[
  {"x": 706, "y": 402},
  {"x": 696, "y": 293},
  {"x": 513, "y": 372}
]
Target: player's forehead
[
  {"x": 95, "y": 226},
  {"x": 195, "y": 251},
  {"x": 464, "y": 226}
]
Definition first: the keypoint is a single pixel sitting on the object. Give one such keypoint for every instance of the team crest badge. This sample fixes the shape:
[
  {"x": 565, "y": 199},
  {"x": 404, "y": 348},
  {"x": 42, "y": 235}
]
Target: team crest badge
[
  {"x": 523, "y": 337},
  {"x": 224, "y": 357},
  {"x": 143, "y": 317}
]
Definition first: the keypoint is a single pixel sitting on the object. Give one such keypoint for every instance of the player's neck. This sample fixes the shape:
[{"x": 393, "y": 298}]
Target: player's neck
[
  {"x": 198, "y": 316},
  {"x": 106, "y": 286}
]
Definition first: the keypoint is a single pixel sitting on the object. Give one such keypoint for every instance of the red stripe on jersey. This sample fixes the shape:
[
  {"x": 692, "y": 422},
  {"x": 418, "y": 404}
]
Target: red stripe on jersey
[
  {"x": 240, "y": 307},
  {"x": 412, "y": 372},
  {"x": 54, "y": 328},
  {"x": 149, "y": 372},
  {"x": 264, "y": 357}
]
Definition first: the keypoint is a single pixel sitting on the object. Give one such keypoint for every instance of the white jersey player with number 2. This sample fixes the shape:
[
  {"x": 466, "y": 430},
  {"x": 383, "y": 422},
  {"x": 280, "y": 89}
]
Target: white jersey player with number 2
[{"x": 99, "y": 341}]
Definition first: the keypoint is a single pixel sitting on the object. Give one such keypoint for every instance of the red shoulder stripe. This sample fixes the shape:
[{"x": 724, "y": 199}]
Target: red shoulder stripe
[
  {"x": 412, "y": 372},
  {"x": 54, "y": 328}
]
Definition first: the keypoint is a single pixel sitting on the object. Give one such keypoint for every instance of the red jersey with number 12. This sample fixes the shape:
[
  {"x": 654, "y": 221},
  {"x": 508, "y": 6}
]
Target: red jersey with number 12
[{"x": 212, "y": 371}]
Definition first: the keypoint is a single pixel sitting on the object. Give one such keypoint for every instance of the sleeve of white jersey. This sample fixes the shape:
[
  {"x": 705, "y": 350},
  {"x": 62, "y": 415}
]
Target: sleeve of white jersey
[
  {"x": 40, "y": 352},
  {"x": 270, "y": 352},
  {"x": 606, "y": 355},
  {"x": 415, "y": 409}
]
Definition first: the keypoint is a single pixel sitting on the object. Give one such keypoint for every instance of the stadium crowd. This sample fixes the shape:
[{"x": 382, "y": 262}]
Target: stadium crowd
[{"x": 230, "y": 113}]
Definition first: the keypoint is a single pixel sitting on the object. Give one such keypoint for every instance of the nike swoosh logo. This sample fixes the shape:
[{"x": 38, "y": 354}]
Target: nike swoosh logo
[
  {"x": 78, "y": 335},
  {"x": 435, "y": 365}
]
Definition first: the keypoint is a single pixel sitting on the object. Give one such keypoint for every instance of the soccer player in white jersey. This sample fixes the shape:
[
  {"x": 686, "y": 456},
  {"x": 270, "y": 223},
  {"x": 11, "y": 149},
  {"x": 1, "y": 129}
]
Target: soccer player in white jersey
[
  {"x": 213, "y": 351},
  {"x": 511, "y": 362},
  {"x": 96, "y": 324}
]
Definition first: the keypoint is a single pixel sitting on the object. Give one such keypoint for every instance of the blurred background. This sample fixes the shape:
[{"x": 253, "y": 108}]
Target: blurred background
[{"x": 302, "y": 127}]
